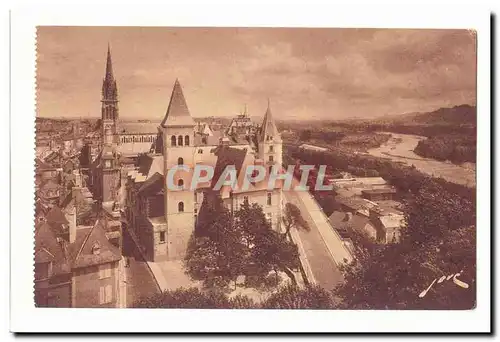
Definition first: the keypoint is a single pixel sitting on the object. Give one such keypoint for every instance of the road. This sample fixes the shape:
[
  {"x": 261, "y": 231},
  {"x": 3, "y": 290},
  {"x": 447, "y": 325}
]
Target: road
[
  {"x": 402, "y": 151},
  {"x": 320, "y": 244},
  {"x": 140, "y": 280}
]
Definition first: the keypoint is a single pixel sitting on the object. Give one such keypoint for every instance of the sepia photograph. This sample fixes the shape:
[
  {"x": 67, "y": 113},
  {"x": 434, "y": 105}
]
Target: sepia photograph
[{"x": 255, "y": 168}]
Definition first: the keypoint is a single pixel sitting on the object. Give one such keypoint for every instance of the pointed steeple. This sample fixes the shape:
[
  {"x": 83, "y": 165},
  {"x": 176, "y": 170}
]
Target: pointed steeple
[
  {"x": 268, "y": 128},
  {"x": 177, "y": 112},
  {"x": 109, "y": 89},
  {"x": 109, "y": 66}
]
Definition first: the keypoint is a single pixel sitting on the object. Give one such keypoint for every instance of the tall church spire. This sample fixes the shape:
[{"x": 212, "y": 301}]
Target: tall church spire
[
  {"x": 109, "y": 89},
  {"x": 109, "y": 66},
  {"x": 109, "y": 101}
]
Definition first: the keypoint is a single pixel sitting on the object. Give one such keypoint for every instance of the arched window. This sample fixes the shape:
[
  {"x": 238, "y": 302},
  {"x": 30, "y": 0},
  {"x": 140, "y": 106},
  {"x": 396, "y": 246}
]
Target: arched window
[
  {"x": 179, "y": 140},
  {"x": 271, "y": 148},
  {"x": 180, "y": 182},
  {"x": 173, "y": 140},
  {"x": 269, "y": 202},
  {"x": 181, "y": 207},
  {"x": 180, "y": 161},
  {"x": 186, "y": 140}
]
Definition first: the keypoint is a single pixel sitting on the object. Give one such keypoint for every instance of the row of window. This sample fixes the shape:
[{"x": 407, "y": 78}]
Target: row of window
[
  {"x": 179, "y": 141},
  {"x": 180, "y": 205}
]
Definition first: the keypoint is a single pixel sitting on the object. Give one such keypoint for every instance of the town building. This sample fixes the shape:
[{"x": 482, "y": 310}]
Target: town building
[
  {"x": 129, "y": 173},
  {"x": 164, "y": 219},
  {"x": 75, "y": 266},
  {"x": 367, "y": 206}
]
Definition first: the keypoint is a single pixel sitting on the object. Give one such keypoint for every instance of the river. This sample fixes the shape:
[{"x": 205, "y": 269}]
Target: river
[{"x": 400, "y": 149}]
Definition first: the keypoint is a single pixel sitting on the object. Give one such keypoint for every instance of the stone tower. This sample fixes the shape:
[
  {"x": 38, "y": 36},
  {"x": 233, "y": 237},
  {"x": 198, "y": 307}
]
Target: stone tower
[
  {"x": 110, "y": 169},
  {"x": 270, "y": 143},
  {"x": 109, "y": 165},
  {"x": 177, "y": 130},
  {"x": 109, "y": 107}
]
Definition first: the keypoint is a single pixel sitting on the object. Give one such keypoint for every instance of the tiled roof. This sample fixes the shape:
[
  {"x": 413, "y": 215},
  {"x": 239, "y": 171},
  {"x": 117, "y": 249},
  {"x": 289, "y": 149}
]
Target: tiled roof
[
  {"x": 351, "y": 202},
  {"x": 392, "y": 221},
  {"x": 56, "y": 215},
  {"x": 48, "y": 249},
  {"x": 40, "y": 165},
  {"x": 150, "y": 164},
  {"x": 177, "y": 112},
  {"x": 136, "y": 127},
  {"x": 135, "y": 148},
  {"x": 86, "y": 239},
  {"x": 227, "y": 156},
  {"x": 153, "y": 185},
  {"x": 345, "y": 227},
  {"x": 211, "y": 140}
]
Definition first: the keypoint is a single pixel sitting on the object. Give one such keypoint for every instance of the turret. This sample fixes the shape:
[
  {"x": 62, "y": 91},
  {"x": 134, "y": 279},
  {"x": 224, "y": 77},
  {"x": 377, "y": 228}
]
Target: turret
[{"x": 270, "y": 143}]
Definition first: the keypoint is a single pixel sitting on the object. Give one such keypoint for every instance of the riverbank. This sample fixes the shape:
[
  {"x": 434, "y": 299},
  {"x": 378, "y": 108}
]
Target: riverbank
[{"x": 400, "y": 149}]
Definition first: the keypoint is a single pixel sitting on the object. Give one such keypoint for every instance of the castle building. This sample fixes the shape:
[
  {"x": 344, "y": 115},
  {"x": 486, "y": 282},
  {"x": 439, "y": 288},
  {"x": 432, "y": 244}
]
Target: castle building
[{"x": 134, "y": 167}]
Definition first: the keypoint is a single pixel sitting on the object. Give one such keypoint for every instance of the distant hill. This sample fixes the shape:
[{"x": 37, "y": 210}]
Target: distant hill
[{"x": 458, "y": 115}]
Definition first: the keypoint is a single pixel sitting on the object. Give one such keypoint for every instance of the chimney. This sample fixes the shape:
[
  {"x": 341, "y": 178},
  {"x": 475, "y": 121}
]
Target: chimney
[
  {"x": 348, "y": 217},
  {"x": 71, "y": 217},
  {"x": 225, "y": 141}
]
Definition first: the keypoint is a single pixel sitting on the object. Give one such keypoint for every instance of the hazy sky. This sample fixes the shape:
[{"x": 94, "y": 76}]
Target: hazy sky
[{"x": 306, "y": 73}]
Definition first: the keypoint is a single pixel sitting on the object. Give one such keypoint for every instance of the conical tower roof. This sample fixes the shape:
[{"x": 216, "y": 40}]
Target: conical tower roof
[
  {"x": 268, "y": 127},
  {"x": 109, "y": 66},
  {"x": 177, "y": 112},
  {"x": 109, "y": 89}
]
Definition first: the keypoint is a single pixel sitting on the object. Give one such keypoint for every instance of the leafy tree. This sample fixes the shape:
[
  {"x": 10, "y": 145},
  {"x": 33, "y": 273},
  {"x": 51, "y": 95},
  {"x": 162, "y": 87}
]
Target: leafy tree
[
  {"x": 292, "y": 297},
  {"x": 242, "y": 302},
  {"x": 392, "y": 277},
  {"x": 293, "y": 219},
  {"x": 268, "y": 249},
  {"x": 191, "y": 298},
  {"x": 216, "y": 253},
  {"x": 287, "y": 297},
  {"x": 225, "y": 247}
]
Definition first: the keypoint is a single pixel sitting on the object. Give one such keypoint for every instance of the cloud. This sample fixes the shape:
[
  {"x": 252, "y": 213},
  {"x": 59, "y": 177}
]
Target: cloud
[{"x": 306, "y": 72}]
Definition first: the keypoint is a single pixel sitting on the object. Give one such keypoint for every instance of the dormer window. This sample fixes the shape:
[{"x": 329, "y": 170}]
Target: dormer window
[{"x": 96, "y": 248}]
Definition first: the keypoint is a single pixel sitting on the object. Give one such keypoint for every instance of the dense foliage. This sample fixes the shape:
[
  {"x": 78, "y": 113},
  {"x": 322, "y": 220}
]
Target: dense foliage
[
  {"x": 439, "y": 240},
  {"x": 457, "y": 149},
  {"x": 226, "y": 245},
  {"x": 286, "y": 297}
]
